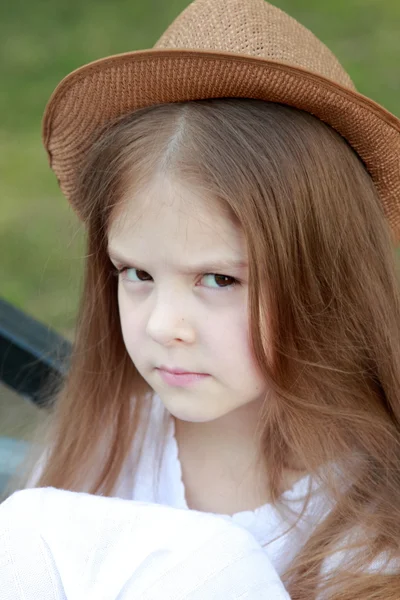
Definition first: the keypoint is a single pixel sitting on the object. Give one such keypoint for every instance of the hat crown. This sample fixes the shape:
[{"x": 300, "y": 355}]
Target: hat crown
[{"x": 252, "y": 28}]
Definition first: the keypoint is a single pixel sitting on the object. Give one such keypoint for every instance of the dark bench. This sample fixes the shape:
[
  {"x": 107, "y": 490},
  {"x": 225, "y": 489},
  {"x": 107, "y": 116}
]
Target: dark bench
[{"x": 31, "y": 355}]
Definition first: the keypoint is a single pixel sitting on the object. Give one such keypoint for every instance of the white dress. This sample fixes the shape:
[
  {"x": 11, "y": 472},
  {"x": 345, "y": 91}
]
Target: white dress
[
  {"x": 145, "y": 544},
  {"x": 60, "y": 545}
]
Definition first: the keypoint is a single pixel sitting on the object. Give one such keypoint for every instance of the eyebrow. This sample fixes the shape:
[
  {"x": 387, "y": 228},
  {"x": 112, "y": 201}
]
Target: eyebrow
[{"x": 213, "y": 266}]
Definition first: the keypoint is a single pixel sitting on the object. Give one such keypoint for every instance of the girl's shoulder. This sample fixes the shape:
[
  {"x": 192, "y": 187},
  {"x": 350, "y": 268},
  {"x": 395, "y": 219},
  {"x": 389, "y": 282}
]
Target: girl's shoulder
[{"x": 354, "y": 546}]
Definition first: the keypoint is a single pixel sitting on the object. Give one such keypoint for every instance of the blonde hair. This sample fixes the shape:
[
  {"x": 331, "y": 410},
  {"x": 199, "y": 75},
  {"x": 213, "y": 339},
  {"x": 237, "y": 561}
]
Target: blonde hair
[{"x": 324, "y": 313}]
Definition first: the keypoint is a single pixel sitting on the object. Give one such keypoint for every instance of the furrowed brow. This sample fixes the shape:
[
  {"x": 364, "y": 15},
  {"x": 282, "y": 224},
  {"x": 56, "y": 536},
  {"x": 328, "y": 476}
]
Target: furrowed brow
[{"x": 213, "y": 266}]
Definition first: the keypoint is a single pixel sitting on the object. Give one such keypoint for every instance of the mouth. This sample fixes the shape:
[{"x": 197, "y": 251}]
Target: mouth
[
  {"x": 178, "y": 377},
  {"x": 178, "y": 371}
]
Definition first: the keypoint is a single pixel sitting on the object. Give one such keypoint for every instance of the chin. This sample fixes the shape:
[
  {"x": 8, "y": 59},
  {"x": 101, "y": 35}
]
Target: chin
[{"x": 185, "y": 409}]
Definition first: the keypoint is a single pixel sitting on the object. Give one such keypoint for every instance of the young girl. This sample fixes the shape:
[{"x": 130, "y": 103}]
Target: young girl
[{"x": 237, "y": 348}]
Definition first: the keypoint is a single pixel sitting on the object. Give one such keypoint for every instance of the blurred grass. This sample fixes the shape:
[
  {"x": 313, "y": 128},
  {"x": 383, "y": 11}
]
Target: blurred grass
[{"x": 41, "y": 41}]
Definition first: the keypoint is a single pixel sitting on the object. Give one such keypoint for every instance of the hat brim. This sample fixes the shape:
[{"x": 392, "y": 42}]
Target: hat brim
[{"x": 97, "y": 93}]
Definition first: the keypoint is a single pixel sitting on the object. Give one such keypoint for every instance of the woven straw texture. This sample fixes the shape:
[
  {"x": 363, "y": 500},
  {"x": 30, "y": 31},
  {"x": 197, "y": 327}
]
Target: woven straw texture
[{"x": 224, "y": 48}]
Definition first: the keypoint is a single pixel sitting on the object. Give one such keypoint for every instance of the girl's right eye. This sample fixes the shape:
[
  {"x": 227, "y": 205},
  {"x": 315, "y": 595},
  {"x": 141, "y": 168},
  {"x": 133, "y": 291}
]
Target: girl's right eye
[{"x": 135, "y": 275}]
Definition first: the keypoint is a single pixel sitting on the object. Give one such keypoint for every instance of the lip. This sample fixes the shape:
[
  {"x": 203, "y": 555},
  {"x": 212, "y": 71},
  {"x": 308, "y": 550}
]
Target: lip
[
  {"x": 178, "y": 371},
  {"x": 179, "y": 377}
]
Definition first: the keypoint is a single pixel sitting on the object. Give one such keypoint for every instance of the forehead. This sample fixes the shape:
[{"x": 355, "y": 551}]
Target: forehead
[{"x": 178, "y": 217}]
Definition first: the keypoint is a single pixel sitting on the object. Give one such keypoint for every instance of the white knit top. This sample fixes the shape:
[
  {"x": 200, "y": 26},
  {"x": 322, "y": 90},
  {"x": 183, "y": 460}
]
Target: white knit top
[{"x": 146, "y": 543}]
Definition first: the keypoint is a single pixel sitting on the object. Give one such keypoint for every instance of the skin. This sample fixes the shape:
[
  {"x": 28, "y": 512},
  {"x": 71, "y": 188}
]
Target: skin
[{"x": 178, "y": 314}]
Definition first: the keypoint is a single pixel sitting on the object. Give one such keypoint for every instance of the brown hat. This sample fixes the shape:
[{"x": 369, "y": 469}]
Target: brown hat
[{"x": 216, "y": 49}]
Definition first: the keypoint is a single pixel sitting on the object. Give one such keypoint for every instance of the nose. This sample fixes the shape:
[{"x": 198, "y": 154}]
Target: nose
[{"x": 168, "y": 322}]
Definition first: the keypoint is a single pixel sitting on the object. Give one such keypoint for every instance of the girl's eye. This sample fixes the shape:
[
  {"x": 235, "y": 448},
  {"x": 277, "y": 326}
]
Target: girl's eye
[
  {"x": 214, "y": 280},
  {"x": 131, "y": 274},
  {"x": 211, "y": 280}
]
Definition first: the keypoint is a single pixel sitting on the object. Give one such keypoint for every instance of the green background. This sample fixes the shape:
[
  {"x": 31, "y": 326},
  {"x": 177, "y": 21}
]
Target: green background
[{"x": 41, "y": 249}]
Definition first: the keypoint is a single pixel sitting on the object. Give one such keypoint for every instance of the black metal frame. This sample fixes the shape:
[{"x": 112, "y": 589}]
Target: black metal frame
[{"x": 30, "y": 353}]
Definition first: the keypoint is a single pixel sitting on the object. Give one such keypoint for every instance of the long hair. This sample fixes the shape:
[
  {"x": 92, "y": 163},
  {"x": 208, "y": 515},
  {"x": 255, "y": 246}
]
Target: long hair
[{"x": 324, "y": 311}]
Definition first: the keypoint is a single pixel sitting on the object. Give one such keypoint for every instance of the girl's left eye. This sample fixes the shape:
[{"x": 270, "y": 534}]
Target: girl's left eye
[{"x": 214, "y": 280}]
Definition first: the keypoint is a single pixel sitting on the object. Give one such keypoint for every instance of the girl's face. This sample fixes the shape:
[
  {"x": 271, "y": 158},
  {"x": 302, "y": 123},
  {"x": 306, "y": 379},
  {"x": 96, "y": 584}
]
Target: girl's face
[{"x": 182, "y": 296}]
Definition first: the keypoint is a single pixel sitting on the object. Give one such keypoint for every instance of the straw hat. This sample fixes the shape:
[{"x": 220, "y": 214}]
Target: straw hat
[{"x": 216, "y": 49}]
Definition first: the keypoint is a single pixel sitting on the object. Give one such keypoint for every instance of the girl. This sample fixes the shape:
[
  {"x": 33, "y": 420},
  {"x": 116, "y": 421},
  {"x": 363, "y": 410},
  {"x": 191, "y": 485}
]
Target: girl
[{"x": 237, "y": 349}]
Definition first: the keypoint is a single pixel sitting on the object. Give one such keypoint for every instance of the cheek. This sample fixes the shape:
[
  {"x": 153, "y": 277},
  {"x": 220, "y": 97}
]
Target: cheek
[
  {"x": 229, "y": 337},
  {"x": 230, "y": 353},
  {"x": 131, "y": 326}
]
